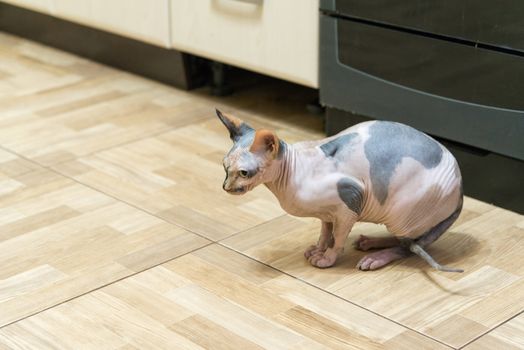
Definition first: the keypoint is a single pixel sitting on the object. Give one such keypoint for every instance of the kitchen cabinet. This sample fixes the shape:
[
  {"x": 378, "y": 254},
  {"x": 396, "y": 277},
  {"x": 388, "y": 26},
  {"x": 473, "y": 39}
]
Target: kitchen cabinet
[
  {"x": 273, "y": 37},
  {"x": 143, "y": 20}
]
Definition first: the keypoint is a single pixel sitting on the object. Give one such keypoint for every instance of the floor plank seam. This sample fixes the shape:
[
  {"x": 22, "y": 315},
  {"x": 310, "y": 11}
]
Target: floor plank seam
[
  {"x": 334, "y": 295},
  {"x": 102, "y": 192},
  {"x": 250, "y": 228},
  {"x": 125, "y": 143},
  {"x": 492, "y": 329},
  {"x": 23, "y": 172},
  {"x": 106, "y": 285}
]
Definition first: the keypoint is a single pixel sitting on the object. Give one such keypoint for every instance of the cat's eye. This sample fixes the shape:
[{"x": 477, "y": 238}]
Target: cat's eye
[{"x": 242, "y": 173}]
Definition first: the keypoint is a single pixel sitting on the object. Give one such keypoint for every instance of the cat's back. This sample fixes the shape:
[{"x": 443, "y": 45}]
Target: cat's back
[
  {"x": 338, "y": 145},
  {"x": 380, "y": 147}
]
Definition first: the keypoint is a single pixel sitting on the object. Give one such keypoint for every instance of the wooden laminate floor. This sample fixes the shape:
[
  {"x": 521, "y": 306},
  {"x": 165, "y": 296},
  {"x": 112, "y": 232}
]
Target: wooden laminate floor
[{"x": 115, "y": 232}]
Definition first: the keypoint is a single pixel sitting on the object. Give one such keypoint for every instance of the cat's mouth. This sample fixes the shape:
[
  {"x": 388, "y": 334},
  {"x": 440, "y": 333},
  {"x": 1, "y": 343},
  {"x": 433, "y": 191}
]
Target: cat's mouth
[{"x": 237, "y": 190}]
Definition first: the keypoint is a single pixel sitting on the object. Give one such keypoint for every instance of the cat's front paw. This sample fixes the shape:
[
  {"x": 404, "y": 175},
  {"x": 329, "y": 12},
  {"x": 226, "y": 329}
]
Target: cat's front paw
[{"x": 323, "y": 259}]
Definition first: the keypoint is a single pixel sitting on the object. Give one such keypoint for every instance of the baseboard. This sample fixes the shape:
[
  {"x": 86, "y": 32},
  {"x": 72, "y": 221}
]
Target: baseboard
[{"x": 165, "y": 65}]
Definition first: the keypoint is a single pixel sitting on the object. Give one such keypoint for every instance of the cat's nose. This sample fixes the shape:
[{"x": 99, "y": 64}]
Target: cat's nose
[{"x": 225, "y": 187}]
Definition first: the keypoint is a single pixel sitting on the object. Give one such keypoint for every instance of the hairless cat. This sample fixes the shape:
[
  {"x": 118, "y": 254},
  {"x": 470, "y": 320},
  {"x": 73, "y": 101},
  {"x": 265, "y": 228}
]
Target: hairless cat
[{"x": 378, "y": 171}]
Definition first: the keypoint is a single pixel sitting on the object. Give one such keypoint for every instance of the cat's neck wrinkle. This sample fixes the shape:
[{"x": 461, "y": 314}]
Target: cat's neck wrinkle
[{"x": 283, "y": 171}]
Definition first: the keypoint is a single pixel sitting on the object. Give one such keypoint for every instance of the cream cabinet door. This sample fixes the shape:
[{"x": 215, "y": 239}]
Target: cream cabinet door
[
  {"x": 145, "y": 20},
  {"x": 274, "y": 37},
  {"x": 35, "y": 5}
]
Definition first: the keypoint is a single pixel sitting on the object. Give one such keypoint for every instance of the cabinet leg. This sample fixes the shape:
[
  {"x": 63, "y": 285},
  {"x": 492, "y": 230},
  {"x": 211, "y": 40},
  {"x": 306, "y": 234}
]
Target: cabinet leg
[
  {"x": 219, "y": 85},
  {"x": 314, "y": 107}
]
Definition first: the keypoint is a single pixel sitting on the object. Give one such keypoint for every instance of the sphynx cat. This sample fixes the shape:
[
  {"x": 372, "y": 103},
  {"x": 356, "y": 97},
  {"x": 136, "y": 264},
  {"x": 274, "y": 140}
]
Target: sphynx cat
[{"x": 378, "y": 171}]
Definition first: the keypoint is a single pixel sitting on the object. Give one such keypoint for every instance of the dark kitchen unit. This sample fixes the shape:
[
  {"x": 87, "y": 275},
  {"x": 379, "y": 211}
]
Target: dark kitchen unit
[{"x": 451, "y": 68}]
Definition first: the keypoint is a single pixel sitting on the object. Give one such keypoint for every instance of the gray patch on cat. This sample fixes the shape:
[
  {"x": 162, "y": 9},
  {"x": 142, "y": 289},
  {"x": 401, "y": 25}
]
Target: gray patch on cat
[
  {"x": 245, "y": 129},
  {"x": 281, "y": 149},
  {"x": 389, "y": 142},
  {"x": 333, "y": 147},
  {"x": 243, "y": 142},
  {"x": 247, "y": 139},
  {"x": 351, "y": 194}
]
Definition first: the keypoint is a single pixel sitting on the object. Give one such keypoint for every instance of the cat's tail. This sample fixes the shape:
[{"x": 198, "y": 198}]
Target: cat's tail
[{"x": 417, "y": 249}]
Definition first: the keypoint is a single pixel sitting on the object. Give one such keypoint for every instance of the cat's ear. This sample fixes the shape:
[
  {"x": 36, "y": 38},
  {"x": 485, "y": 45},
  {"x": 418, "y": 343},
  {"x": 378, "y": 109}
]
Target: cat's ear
[
  {"x": 265, "y": 142},
  {"x": 237, "y": 128}
]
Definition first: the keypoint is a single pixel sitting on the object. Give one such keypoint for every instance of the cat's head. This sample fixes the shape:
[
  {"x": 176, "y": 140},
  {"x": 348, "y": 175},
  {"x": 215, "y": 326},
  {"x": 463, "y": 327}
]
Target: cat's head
[{"x": 252, "y": 154}]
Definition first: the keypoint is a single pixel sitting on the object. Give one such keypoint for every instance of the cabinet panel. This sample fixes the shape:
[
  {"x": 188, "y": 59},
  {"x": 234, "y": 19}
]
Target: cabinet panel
[
  {"x": 36, "y": 5},
  {"x": 498, "y": 23},
  {"x": 434, "y": 66},
  {"x": 139, "y": 19},
  {"x": 274, "y": 37}
]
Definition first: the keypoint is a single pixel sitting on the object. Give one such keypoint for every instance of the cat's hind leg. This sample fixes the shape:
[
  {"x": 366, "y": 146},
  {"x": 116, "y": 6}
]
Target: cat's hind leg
[
  {"x": 408, "y": 246},
  {"x": 365, "y": 243},
  {"x": 382, "y": 257}
]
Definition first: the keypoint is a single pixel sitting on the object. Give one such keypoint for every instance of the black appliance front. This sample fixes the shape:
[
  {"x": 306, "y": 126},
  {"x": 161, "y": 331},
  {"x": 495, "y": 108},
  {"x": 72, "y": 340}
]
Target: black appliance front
[{"x": 391, "y": 64}]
